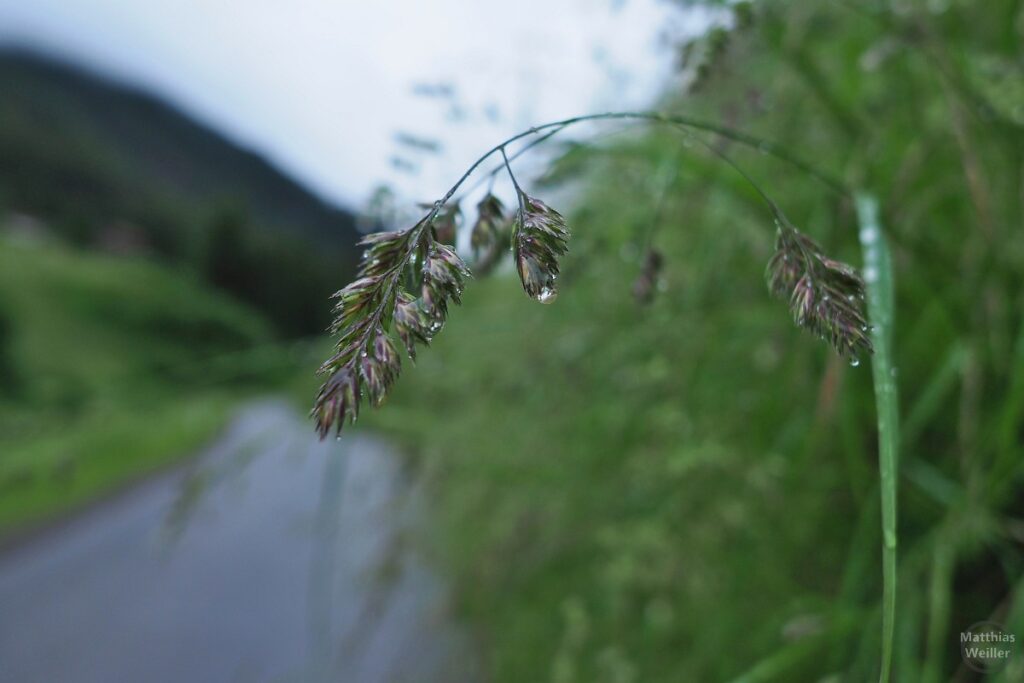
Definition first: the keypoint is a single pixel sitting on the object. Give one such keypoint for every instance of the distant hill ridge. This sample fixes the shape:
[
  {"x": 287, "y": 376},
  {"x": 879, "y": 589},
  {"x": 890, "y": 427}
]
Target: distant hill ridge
[{"x": 76, "y": 147}]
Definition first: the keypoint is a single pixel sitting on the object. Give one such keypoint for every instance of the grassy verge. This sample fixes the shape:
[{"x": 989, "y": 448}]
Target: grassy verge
[
  {"x": 46, "y": 477},
  {"x": 109, "y": 370}
]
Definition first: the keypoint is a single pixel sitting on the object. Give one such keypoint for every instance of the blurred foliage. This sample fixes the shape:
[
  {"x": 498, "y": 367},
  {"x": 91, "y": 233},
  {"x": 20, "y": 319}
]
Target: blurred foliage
[
  {"x": 687, "y": 490},
  {"x": 108, "y": 167},
  {"x": 110, "y": 368},
  {"x": 118, "y": 356},
  {"x": 286, "y": 279}
]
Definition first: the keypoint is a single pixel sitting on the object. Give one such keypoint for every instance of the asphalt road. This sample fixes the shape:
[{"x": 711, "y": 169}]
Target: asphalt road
[{"x": 273, "y": 557}]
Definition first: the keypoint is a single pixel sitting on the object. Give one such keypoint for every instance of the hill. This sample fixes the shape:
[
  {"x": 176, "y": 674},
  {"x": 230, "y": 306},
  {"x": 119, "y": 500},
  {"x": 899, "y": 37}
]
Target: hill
[
  {"x": 122, "y": 149},
  {"x": 110, "y": 167}
]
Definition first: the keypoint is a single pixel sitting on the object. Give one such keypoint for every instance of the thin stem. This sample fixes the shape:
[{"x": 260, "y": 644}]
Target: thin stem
[
  {"x": 669, "y": 178},
  {"x": 518, "y": 153},
  {"x": 721, "y": 155},
  {"x": 780, "y": 218},
  {"x": 879, "y": 280},
  {"x": 515, "y": 184},
  {"x": 753, "y": 141},
  {"x": 508, "y": 167}
]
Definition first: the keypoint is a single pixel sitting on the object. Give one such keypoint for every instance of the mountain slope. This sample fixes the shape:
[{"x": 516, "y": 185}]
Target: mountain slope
[
  {"x": 80, "y": 148},
  {"x": 105, "y": 166}
]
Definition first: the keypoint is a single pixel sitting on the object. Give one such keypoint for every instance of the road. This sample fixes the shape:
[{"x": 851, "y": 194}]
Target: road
[{"x": 273, "y": 557}]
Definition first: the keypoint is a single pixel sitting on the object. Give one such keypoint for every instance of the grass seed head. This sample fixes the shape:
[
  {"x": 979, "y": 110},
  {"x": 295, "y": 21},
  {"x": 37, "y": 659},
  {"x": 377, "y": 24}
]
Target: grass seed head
[
  {"x": 825, "y": 296},
  {"x": 539, "y": 237}
]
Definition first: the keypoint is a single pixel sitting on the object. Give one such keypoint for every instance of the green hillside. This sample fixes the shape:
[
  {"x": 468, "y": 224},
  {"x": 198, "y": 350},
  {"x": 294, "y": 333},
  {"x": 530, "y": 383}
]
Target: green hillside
[
  {"x": 130, "y": 155},
  {"x": 110, "y": 368},
  {"x": 110, "y": 167}
]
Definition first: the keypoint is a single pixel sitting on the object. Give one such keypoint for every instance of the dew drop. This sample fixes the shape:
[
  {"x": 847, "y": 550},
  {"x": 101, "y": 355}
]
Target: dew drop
[
  {"x": 868, "y": 235},
  {"x": 854, "y": 362},
  {"x": 547, "y": 295}
]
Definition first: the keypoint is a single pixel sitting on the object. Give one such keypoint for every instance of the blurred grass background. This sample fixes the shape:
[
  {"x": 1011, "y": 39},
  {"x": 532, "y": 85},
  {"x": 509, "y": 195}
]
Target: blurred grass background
[
  {"x": 688, "y": 490},
  {"x": 683, "y": 490}
]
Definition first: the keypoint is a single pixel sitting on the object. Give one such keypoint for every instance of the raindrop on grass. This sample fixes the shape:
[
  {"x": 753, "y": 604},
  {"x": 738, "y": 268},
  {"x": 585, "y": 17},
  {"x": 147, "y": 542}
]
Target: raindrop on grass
[
  {"x": 547, "y": 295},
  {"x": 854, "y": 362}
]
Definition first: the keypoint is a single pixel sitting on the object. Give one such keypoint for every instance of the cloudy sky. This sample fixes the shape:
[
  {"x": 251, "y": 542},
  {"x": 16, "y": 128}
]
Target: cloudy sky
[{"x": 327, "y": 88}]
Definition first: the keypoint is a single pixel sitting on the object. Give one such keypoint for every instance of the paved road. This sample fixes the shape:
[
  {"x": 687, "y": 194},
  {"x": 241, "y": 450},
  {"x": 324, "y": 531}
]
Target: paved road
[{"x": 273, "y": 558}]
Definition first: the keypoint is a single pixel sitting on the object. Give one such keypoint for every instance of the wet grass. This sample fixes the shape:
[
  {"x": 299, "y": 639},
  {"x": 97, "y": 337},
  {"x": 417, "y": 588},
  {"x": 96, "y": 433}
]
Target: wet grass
[
  {"x": 690, "y": 489},
  {"x": 881, "y": 304}
]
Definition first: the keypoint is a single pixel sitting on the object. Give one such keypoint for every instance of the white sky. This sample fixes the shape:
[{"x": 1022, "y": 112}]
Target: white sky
[{"x": 321, "y": 87}]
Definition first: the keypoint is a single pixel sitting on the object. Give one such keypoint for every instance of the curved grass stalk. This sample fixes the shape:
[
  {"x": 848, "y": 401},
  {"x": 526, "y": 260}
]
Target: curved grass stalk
[
  {"x": 826, "y": 297},
  {"x": 879, "y": 281}
]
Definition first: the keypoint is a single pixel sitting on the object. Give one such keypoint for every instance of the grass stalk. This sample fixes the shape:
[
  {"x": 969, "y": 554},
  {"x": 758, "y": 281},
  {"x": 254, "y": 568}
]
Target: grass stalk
[{"x": 879, "y": 280}]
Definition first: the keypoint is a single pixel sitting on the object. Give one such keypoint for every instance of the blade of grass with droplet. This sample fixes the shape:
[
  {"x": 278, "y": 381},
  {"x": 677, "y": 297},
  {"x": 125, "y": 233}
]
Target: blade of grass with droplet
[{"x": 879, "y": 280}]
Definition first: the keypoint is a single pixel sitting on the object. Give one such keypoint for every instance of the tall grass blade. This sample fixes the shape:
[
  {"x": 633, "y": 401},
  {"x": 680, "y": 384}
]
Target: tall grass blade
[{"x": 879, "y": 280}]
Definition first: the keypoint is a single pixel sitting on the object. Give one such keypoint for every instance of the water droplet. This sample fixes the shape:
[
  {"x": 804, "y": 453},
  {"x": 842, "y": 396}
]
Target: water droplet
[
  {"x": 869, "y": 234},
  {"x": 870, "y": 274},
  {"x": 435, "y": 327},
  {"x": 854, "y": 362},
  {"x": 547, "y": 295}
]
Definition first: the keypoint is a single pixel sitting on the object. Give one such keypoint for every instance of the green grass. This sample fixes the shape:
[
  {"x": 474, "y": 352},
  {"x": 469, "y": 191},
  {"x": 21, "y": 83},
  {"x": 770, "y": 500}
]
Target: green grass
[
  {"x": 881, "y": 304},
  {"x": 619, "y": 487},
  {"x": 689, "y": 491},
  {"x": 112, "y": 368},
  {"x": 47, "y": 476}
]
